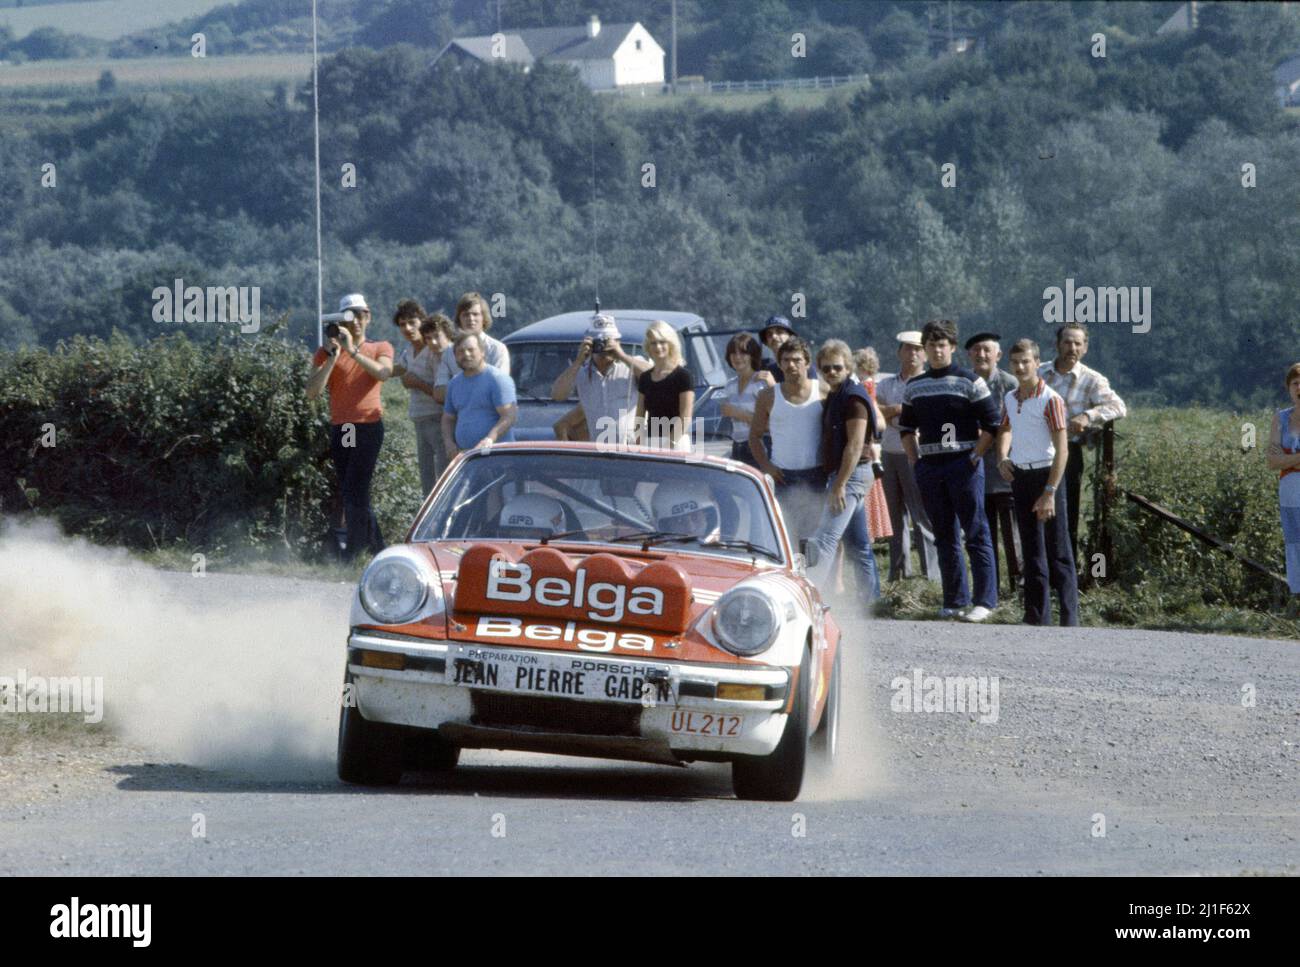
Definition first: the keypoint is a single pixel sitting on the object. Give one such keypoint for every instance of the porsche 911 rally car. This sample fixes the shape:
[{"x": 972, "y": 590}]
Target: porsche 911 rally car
[{"x": 575, "y": 599}]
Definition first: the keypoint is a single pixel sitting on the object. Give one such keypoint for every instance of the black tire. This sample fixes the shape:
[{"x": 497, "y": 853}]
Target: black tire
[
  {"x": 826, "y": 738},
  {"x": 425, "y": 749},
  {"x": 778, "y": 777},
  {"x": 370, "y": 753}
]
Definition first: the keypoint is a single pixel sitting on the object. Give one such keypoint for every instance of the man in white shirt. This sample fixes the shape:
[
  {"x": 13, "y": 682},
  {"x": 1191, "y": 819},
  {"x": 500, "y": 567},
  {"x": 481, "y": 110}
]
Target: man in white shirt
[
  {"x": 1089, "y": 401},
  {"x": 792, "y": 412},
  {"x": 1032, "y": 458},
  {"x": 605, "y": 378}
]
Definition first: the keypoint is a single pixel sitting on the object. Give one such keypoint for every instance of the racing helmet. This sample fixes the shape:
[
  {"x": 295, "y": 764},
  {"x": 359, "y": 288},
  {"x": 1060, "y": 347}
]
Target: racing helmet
[
  {"x": 529, "y": 517},
  {"x": 686, "y": 508}
]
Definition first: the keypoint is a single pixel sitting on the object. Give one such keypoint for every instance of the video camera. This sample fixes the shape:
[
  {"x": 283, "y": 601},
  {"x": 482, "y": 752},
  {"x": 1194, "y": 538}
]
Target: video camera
[{"x": 332, "y": 320}]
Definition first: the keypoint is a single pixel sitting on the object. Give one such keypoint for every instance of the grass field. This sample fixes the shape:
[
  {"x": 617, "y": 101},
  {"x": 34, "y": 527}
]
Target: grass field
[
  {"x": 102, "y": 19},
  {"x": 52, "y": 78}
]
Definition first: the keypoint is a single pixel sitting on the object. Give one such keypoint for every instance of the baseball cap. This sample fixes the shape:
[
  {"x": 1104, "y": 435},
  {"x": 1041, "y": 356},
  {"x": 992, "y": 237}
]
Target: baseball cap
[
  {"x": 982, "y": 337},
  {"x": 354, "y": 301},
  {"x": 910, "y": 337}
]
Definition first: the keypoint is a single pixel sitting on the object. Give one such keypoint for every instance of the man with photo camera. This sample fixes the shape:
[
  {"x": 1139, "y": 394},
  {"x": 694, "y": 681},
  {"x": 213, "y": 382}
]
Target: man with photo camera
[{"x": 605, "y": 377}]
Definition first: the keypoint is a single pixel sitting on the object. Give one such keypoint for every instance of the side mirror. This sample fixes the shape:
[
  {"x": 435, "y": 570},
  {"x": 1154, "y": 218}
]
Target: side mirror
[{"x": 809, "y": 551}]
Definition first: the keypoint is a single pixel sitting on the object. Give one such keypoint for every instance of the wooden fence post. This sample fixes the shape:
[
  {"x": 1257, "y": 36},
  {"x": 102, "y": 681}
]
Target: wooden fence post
[{"x": 1109, "y": 491}]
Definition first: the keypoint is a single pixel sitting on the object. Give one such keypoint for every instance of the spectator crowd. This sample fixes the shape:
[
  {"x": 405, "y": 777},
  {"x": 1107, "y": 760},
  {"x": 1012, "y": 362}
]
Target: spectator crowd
[{"x": 942, "y": 460}]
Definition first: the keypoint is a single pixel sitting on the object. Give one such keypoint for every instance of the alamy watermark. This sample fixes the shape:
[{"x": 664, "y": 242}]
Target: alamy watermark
[
  {"x": 948, "y": 693},
  {"x": 125, "y": 921},
  {"x": 214, "y": 303},
  {"x": 620, "y": 435},
  {"x": 23, "y": 695},
  {"x": 1128, "y": 304}
]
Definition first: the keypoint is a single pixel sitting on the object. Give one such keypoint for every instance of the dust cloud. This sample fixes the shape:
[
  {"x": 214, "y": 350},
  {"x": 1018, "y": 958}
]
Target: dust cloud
[
  {"x": 201, "y": 671},
  {"x": 859, "y": 770}
]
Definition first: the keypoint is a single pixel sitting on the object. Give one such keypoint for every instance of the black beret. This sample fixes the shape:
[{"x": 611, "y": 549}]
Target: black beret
[{"x": 982, "y": 337}]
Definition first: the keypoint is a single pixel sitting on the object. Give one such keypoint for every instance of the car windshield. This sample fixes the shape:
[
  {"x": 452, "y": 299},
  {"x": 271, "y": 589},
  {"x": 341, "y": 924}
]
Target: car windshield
[
  {"x": 597, "y": 498},
  {"x": 535, "y": 366}
]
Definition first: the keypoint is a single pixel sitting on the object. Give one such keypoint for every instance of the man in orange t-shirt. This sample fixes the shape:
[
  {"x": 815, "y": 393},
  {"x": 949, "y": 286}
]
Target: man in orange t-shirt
[{"x": 354, "y": 371}]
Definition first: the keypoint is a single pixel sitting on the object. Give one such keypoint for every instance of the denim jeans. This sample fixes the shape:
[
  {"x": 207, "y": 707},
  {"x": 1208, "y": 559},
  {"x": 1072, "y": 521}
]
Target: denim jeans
[
  {"x": 953, "y": 492},
  {"x": 801, "y": 497},
  {"x": 355, "y": 466},
  {"x": 851, "y": 524}
]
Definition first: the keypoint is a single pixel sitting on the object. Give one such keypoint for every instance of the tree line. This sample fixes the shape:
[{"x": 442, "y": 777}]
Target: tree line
[{"x": 965, "y": 185}]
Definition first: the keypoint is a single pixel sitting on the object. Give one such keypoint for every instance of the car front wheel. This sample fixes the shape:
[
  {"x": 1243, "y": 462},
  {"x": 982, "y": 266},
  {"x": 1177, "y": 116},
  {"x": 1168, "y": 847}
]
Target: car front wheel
[
  {"x": 370, "y": 753},
  {"x": 778, "y": 777}
]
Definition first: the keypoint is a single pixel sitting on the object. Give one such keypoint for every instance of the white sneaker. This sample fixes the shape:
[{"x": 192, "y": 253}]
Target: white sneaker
[
  {"x": 977, "y": 613},
  {"x": 950, "y": 613}
]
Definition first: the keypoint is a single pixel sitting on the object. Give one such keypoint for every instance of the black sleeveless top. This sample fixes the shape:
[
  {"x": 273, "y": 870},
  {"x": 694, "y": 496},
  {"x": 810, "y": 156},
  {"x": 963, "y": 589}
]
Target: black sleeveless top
[{"x": 836, "y": 413}]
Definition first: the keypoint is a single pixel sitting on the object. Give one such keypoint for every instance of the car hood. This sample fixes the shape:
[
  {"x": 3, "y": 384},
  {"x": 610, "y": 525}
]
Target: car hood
[{"x": 587, "y": 600}]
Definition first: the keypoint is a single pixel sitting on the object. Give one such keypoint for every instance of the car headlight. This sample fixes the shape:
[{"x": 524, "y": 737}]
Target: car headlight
[
  {"x": 746, "y": 621},
  {"x": 393, "y": 590}
]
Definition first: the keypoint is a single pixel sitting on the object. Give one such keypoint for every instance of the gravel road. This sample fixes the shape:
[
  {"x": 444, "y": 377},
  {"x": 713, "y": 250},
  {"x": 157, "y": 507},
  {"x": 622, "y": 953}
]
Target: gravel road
[{"x": 1111, "y": 752}]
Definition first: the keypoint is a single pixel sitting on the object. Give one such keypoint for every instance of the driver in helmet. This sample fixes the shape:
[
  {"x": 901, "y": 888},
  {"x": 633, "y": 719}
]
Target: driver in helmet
[
  {"x": 530, "y": 517},
  {"x": 686, "y": 509}
]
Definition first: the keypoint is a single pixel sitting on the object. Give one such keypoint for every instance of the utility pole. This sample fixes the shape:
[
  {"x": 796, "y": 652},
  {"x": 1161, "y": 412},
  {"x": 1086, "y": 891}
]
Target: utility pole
[
  {"x": 315, "y": 110},
  {"x": 674, "y": 48}
]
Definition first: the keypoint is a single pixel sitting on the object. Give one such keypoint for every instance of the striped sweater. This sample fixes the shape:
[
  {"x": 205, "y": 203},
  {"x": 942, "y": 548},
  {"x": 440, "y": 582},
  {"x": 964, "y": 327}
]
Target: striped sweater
[{"x": 946, "y": 409}]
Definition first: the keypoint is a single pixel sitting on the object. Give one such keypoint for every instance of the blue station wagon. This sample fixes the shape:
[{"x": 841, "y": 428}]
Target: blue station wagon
[{"x": 540, "y": 352}]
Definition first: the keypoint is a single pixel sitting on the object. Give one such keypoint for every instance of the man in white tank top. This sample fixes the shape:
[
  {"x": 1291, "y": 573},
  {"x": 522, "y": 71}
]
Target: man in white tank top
[{"x": 791, "y": 412}]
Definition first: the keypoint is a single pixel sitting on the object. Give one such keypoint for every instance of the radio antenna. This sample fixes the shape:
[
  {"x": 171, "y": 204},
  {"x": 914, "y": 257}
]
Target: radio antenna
[{"x": 591, "y": 142}]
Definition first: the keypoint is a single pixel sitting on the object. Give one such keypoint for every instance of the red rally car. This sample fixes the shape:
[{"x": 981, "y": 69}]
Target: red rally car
[{"x": 587, "y": 600}]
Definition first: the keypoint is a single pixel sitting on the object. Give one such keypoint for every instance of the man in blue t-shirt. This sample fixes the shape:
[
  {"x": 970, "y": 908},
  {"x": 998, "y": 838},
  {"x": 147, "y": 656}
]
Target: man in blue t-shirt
[
  {"x": 480, "y": 408},
  {"x": 947, "y": 424}
]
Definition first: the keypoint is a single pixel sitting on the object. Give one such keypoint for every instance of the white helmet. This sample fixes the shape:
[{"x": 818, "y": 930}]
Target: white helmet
[
  {"x": 531, "y": 516},
  {"x": 675, "y": 507}
]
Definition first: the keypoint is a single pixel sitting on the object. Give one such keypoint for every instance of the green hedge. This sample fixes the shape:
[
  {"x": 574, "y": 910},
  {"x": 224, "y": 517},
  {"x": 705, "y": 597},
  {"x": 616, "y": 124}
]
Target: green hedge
[
  {"x": 1192, "y": 462},
  {"x": 174, "y": 443}
]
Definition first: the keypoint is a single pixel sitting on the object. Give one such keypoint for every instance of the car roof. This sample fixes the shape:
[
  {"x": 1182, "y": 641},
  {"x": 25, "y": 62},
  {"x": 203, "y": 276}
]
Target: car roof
[
  {"x": 605, "y": 450},
  {"x": 572, "y": 326}
]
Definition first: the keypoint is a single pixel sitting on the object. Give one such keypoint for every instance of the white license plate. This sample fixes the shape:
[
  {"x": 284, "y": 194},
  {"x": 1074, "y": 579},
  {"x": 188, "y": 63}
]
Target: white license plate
[
  {"x": 564, "y": 675},
  {"x": 705, "y": 723}
]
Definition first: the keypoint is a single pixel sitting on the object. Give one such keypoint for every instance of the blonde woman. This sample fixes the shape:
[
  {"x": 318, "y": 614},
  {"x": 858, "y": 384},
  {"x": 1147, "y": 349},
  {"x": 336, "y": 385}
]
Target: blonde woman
[
  {"x": 867, "y": 365},
  {"x": 665, "y": 398}
]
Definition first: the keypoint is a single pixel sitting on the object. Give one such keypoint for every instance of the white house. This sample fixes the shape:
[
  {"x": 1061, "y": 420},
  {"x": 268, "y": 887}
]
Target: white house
[{"x": 605, "y": 56}]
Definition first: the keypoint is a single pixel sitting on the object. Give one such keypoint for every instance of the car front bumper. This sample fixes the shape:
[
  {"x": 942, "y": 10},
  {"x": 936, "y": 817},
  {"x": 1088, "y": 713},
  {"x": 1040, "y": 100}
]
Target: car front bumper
[{"x": 404, "y": 680}]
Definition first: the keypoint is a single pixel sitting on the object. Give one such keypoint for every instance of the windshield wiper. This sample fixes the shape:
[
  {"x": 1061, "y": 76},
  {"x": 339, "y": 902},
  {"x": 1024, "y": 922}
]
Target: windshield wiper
[
  {"x": 562, "y": 534},
  {"x": 649, "y": 538},
  {"x": 737, "y": 543}
]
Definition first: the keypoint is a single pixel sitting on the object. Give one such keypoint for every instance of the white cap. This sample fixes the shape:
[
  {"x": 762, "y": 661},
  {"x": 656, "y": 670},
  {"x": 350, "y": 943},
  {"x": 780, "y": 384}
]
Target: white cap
[
  {"x": 910, "y": 337},
  {"x": 354, "y": 301},
  {"x": 603, "y": 325}
]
